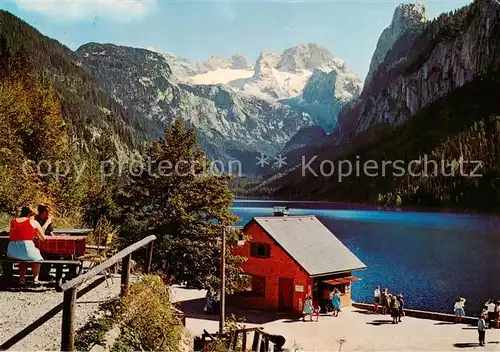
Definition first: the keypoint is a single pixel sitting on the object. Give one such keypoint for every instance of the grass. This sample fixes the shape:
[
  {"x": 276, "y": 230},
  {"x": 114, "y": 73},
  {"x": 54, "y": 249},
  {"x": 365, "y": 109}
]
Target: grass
[{"x": 94, "y": 331}]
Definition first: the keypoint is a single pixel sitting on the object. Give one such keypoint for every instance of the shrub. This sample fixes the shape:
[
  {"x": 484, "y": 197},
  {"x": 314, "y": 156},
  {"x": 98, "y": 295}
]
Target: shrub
[{"x": 148, "y": 321}]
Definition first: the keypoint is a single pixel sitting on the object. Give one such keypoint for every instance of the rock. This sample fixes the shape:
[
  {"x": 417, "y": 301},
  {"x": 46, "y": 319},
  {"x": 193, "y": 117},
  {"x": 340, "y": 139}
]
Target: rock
[
  {"x": 406, "y": 18},
  {"x": 425, "y": 73}
]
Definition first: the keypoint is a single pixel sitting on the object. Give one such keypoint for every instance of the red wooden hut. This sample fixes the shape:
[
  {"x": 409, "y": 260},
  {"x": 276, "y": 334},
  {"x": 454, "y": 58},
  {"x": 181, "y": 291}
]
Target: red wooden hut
[{"x": 289, "y": 257}]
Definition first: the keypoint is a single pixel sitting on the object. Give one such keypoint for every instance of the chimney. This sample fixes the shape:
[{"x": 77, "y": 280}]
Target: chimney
[{"x": 280, "y": 211}]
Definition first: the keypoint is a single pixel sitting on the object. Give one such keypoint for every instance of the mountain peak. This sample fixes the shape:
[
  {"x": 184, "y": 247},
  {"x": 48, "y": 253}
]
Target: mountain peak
[
  {"x": 306, "y": 57},
  {"x": 406, "y": 17}
]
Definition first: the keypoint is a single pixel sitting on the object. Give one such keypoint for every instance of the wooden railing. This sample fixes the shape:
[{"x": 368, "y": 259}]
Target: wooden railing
[
  {"x": 70, "y": 288},
  {"x": 261, "y": 340}
]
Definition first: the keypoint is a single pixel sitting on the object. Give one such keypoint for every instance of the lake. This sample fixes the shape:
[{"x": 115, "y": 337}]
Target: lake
[{"x": 431, "y": 258}]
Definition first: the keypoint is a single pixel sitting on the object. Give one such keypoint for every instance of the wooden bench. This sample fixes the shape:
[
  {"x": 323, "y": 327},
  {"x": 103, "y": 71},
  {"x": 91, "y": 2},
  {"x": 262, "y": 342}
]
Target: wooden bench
[{"x": 75, "y": 266}]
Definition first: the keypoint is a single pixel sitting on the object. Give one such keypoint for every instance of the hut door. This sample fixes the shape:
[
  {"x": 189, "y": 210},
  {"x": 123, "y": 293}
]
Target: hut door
[{"x": 285, "y": 294}]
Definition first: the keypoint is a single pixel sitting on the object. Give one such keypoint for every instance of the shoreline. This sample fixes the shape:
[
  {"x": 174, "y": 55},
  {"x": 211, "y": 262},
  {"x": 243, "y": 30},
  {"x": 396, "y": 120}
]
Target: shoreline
[
  {"x": 422, "y": 314},
  {"x": 369, "y": 206}
]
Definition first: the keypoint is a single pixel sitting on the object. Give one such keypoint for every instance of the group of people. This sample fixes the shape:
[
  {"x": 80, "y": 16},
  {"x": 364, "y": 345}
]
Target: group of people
[
  {"x": 23, "y": 230},
  {"x": 489, "y": 317},
  {"x": 387, "y": 302},
  {"x": 332, "y": 303}
]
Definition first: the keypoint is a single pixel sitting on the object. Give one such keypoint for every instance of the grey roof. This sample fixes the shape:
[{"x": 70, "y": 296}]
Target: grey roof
[{"x": 311, "y": 244}]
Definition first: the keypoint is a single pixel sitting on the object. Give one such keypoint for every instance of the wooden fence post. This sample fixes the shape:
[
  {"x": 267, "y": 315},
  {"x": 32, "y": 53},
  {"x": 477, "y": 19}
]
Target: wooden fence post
[
  {"x": 257, "y": 340},
  {"x": 125, "y": 275},
  {"x": 149, "y": 258},
  {"x": 68, "y": 320}
]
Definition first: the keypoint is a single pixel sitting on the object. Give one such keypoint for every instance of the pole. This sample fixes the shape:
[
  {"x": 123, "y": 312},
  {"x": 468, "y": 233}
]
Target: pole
[
  {"x": 149, "y": 258},
  {"x": 68, "y": 321},
  {"x": 125, "y": 275},
  {"x": 222, "y": 310}
]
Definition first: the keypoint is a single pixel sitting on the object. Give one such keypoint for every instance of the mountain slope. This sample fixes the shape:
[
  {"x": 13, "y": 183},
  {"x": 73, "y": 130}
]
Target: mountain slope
[
  {"x": 91, "y": 114},
  {"x": 229, "y": 126}
]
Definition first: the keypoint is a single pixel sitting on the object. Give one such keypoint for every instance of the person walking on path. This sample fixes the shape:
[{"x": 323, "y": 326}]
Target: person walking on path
[
  {"x": 481, "y": 329},
  {"x": 376, "y": 298},
  {"x": 458, "y": 309}
]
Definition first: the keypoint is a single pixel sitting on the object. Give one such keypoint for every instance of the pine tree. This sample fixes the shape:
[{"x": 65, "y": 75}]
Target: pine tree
[{"x": 174, "y": 197}]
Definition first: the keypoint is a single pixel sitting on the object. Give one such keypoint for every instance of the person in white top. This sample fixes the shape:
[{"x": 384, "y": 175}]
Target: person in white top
[
  {"x": 376, "y": 298},
  {"x": 459, "y": 309},
  {"x": 490, "y": 305}
]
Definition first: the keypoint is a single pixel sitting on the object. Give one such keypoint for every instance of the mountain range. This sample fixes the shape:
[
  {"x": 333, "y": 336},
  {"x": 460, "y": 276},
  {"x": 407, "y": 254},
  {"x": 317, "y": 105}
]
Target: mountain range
[
  {"x": 432, "y": 88},
  {"x": 238, "y": 109}
]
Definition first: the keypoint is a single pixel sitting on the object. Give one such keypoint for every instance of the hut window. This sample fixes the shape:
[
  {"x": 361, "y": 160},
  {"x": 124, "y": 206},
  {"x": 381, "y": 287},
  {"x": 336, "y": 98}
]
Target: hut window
[
  {"x": 259, "y": 286},
  {"x": 260, "y": 250},
  {"x": 253, "y": 285}
]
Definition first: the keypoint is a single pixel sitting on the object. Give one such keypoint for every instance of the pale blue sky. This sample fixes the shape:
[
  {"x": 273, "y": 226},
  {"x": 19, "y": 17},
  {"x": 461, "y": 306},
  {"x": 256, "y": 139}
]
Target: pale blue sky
[{"x": 198, "y": 29}]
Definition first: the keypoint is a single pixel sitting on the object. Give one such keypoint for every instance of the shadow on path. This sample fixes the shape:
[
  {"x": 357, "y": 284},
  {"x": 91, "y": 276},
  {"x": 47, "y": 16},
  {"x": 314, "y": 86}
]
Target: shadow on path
[
  {"x": 466, "y": 345},
  {"x": 194, "y": 308},
  {"x": 379, "y": 322}
]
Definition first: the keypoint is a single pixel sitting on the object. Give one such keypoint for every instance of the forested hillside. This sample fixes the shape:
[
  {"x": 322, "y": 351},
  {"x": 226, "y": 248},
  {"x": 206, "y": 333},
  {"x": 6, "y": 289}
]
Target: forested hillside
[
  {"x": 91, "y": 114},
  {"x": 437, "y": 98}
]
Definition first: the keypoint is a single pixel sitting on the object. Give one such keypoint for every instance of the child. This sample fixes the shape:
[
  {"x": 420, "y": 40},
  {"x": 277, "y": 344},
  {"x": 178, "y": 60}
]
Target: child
[{"x": 308, "y": 308}]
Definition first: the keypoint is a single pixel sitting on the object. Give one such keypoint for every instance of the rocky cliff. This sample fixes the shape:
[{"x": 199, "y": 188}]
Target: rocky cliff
[
  {"x": 407, "y": 18},
  {"x": 450, "y": 51},
  {"x": 324, "y": 95}
]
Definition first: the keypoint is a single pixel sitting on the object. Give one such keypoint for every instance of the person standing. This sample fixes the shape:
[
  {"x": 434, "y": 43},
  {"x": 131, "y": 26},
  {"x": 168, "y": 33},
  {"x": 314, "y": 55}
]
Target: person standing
[
  {"x": 384, "y": 300},
  {"x": 458, "y": 309},
  {"x": 490, "y": 305},
  {"x": 44, "y": 218},
  {"x": 394, "y": 307},
  {"x": 336, "y": 303},
  {"x": 216, "y": 302},
  {"x": 376, "y": 298},
  {"x": 481, "y": 329},
  {"x": 308, "y": 308},
  {"x": 401, "y": 306}
]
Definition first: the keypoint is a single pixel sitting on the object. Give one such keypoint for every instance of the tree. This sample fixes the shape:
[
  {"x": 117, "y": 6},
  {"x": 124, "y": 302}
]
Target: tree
[{"x": 171, "y": 194}]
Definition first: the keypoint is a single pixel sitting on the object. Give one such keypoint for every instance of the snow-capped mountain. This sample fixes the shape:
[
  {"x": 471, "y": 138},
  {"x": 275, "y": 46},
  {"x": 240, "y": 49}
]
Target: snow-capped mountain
[
  {"x": 229, "y": 125},
  {"x": 285, "y": 78}
]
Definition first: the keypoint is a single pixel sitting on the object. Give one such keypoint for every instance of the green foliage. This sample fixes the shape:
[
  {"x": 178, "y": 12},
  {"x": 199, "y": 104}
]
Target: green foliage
[
  {"x": 94, "y": 331},
  {"x": 185, "y": 207},
  {"x": 147, "y": 320},
  {"x": 35, "y": 140}
]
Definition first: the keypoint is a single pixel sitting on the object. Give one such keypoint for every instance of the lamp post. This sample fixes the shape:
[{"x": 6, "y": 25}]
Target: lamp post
[{"x": 222, "y": 310}]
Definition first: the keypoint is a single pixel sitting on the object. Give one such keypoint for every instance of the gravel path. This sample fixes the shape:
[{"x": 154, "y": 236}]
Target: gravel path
[{"x": 19, "y": 309}]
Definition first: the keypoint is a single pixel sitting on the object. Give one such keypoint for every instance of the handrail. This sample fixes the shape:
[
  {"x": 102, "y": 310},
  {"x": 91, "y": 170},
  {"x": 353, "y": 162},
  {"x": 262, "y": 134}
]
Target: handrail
[{"x": 105, "y": 265}]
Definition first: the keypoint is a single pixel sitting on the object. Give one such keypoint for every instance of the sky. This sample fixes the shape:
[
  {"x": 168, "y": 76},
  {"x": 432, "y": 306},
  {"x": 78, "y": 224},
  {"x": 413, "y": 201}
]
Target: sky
[{"x": 199, "y": 29}]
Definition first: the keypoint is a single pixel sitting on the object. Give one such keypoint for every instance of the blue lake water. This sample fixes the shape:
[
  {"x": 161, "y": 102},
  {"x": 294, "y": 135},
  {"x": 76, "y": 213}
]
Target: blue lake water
[{"x": 431, "y": 258}]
